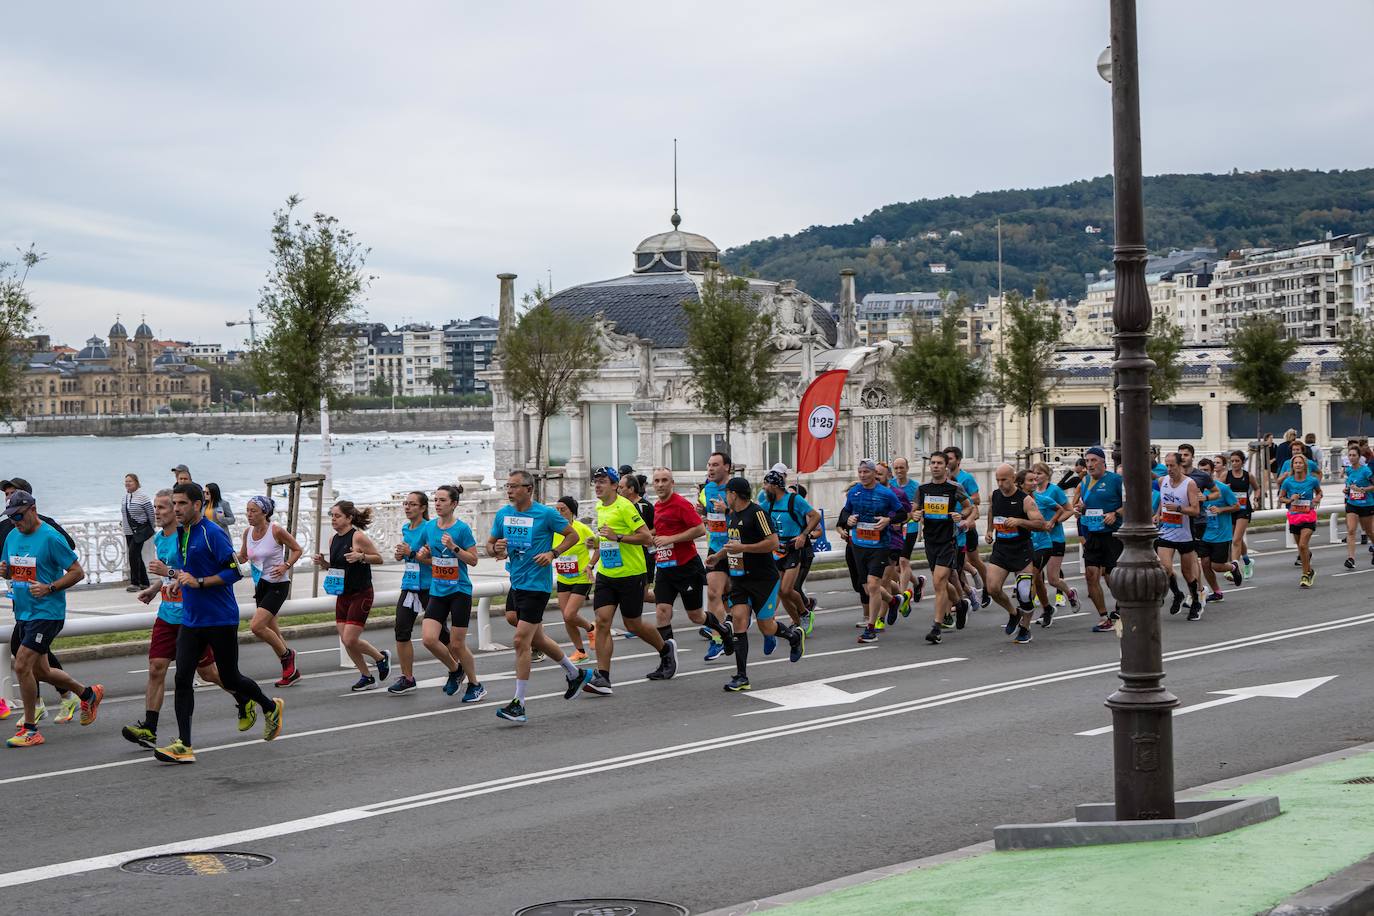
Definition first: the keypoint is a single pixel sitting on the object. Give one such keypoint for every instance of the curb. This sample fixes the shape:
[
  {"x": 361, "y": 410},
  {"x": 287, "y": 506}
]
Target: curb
[{"x": 1349, "y": 892}]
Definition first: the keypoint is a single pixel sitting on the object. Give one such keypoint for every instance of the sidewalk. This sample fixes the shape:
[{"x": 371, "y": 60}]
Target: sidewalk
[{"x": 1326, "y": 826}]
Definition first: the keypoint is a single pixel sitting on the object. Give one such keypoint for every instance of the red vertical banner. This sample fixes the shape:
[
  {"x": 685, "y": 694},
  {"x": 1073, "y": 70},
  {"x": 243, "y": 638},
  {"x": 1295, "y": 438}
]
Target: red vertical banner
[{"x": 818, "y": 419}]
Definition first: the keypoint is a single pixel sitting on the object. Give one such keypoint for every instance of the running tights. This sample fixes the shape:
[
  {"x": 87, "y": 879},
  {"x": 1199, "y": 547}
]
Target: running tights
[{"x": 224, "y": 642}]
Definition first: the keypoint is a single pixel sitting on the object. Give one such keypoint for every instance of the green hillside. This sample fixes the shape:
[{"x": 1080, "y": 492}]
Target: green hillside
[{"x": 1043, "y": 235}]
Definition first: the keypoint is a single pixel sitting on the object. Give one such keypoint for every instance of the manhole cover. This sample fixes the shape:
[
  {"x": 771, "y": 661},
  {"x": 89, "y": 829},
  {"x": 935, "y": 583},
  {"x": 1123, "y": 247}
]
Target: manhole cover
[
  {"x": 1360, "y": 781},
  {"x": 604, "y": 906},
  {"x": 196, "y": 863}
]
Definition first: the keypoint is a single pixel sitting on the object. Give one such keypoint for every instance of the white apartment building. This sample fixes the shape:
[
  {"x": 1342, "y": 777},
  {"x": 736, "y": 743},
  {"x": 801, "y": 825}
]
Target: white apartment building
[
  {"x": 405, "y": 358},
  {"x": 1310, "y": 287},
  {"x": 1362, "y": 279},
  {"x": 1093, "y": 316}
]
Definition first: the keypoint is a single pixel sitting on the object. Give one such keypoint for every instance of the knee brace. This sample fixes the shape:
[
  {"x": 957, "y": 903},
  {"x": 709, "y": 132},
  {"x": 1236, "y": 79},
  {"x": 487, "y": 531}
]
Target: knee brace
[{"x": 1024, "y": 586}]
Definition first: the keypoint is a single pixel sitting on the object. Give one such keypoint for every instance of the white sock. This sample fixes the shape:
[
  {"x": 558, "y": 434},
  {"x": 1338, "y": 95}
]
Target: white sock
[
  {"x": 568, "y": 666},
  {"x": 520, "y": 687}
]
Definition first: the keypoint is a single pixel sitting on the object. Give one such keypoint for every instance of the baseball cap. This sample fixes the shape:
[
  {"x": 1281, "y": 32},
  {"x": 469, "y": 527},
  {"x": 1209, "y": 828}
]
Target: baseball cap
[
  {"x": 20, "y": 483},
  {"x": 626, "y": 470},
  {"x": 868, "y": 463},
  {"x": 19, "y": 501},
  {"x": 179, "y": 468},
  {"x": 739, "y": 486},
  {"x": 609, "y": 473},
  {"x": 1096, "y": 450}
]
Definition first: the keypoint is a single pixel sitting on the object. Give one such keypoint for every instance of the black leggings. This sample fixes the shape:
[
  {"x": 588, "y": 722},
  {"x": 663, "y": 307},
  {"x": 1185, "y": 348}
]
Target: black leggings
[
  {"x": 138, "y": 572},
  {"x": 224, "y": 642}
]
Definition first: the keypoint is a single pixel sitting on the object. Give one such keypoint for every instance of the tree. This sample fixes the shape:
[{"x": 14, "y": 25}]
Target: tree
[
  {"x": 546, "y": 358},
  {"x": 16, "y": 324},
  {"x": 1260, "y": 350},
  {"x": 728, "y": 351},
  {"x": 311, "y": 297},
  {"x": 443, "y": 380},
  {"x": 1025, "y": 368},
  {"x": 380, "y": 387},
  {"x": 1355, "y": 377},
  {"x": 227, "y": 380},
  {"x": 1165, "y": 341},
  {"x": 936, "y": 374}
]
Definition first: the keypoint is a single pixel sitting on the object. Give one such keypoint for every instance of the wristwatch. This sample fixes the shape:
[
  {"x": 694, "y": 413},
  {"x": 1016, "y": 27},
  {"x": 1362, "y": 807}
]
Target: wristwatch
[{"x": 200, "y": 582}]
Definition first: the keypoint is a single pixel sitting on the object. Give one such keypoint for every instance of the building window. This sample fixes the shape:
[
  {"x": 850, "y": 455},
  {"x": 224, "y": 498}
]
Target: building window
[
  {"x": 966, "y": 437},
  {"x": 1074, "y": 427},
  {"x": 1177, "y": 422},
  {"x": 559, "y": 433},
  {"x": 782, "y": 447},
  {"x": 875, "y": 444},
  {"x": 1348, "y": 422},
  {"x": 689, "y": 452},
  {"x": 1241, "y": 421},
  {"x": 612, "y": 435}
]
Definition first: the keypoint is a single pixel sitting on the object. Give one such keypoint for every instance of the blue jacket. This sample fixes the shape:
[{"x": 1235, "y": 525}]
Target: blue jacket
[{"x": 207, "y": 551}]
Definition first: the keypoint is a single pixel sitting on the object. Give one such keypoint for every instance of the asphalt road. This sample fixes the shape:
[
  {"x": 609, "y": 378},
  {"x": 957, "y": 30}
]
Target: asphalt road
[{"x": 675, "y": 791}]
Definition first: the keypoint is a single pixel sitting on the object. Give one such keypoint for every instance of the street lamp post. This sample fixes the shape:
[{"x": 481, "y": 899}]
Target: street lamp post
[{"x": 1142, "y": 709}]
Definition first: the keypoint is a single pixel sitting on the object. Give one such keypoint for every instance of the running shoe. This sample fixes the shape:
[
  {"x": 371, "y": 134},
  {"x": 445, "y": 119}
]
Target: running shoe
[
  {"x": 1215, "y": 597},
  {"x": 1060, "y": 600},
  {"x": 455, "y": 677},
  {"x": 879, "y": 624},
  {"x": 89, "y": 707},
  {"x": 706, "y": 632},
  {"x": 248, "y": 715},
  {"x": 40, "y": 712},
  {"x": 25, "y": 737},
  {"x": 273, "y": 719},
  {"x": 1298, "y": 563},
  {"x": 1177, "y": 603},
  {"x": 598, "y": 684},
  {"x": 770, "y": 642},
  {"x": 288, "y": 678},
  {"x": 811, "y": 600},
  {"x": 384, "y": 665},
  {"x": 894, "y": 607},
  {"x": 808, "y": 621},
  {"x": 961, "y": 614},
  {"x": 948, "y": 622},
  {"x": 401, "y": 685},
  {"x": 288, "y": 667},
  {"x": 1023, "y": 636},
  {"x": 920, "y": 590},
  {"x": 934, "y": 637},
  {"x": 798, "y": 645},
  {"x": 868, "y": 635},
  {"x": 1047, "y": 617},
  {"x": 366, "y": 682},
  {"x": 986, "y": 599},
  {"x": 1249, "y": 567},
  {"x": 1013, "y": 620},
  {"x": 1305, "y": 581},
  {"x": 514, "y": 711},
  {"x": 737, "y": 683},
  {"x": 862, "y": 624},
  {"x": 1235, "y": 574},
  {"x": 1073, "y": 598},
  {"x": 476, "y": 692},
  {"x": 1104, "y": 625},
  {"x": 140, "y": 735},
  {"x": 578, "y": 657},
  {"x": 536, "y": 656},
  {"x": 714, "y": 650},
  {"x": 176, "y": 752},
  {"x": 728, "y": 641},
  {"x": 1349, "y": 562},
  {"x": 577, "y": 683},
  {"x": 669, "y": 658},
  {"x": 1195, "y": 611},
  {"x": 5, "y": 709}
]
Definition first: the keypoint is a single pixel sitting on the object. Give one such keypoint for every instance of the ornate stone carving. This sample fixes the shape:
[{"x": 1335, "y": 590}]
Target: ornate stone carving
[
  {"x": 793, "y": 315},
  {"x": 874, "y": 397}
]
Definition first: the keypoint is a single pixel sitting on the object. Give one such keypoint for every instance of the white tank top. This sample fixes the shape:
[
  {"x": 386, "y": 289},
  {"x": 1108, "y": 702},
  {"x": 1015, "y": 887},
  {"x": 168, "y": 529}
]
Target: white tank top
[
  {"x": 266, "y": 554},
  {"x": 1173, "y": 524}
]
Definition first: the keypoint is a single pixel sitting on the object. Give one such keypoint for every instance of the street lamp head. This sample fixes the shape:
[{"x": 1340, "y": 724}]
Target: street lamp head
[{"x": 1104, "y": 64}]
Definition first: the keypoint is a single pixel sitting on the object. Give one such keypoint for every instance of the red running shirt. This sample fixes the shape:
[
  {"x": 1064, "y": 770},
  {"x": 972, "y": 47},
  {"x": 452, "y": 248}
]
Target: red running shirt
[{"x": 675, "y": 515}]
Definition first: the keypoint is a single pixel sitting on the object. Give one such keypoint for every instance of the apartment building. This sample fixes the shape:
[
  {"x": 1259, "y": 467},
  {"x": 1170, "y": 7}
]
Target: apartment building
[{"x": 1310, "y": 288}]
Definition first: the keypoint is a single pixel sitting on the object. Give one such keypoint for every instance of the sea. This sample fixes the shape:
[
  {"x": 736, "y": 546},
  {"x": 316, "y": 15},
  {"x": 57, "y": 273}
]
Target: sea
[{"x": 81, "y": 478}]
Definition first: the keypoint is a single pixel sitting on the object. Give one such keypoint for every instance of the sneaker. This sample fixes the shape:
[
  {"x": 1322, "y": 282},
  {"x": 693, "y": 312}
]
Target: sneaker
[
  {"x": 248, "y": 715},
  {"x": 1104, "y": 625},
  {"x": 40, "y": 712},
  {"x": 577, "y": 683},
  {"x": 727, "y": 643},
  {"x": 141, "y": 735},
  {"x": 706, "y": 632},
  {"x": 5, "y": 708},
  {"x": 669, "y": 659},
  {"x": 1305, "y": 581},
  {"x": 933, "y": 637},
  {"x": 879, "y": 624},
  {"x": 1177, "y": 604},
  {"x": 737, "y": 683},
  {"x": 920, "y": 590},
  {"x": 67, "y": 708},
  {"x": 455, "y": 677},
  {"x": 1073, "y": 598},
  {"x": 961, "y": 614},
  {"x": 986, "y": 599},
  {"x": 384, "y": 665},
  {"x": 1013, "y": 621},
  {"x": 1249, "y": 567},
  {"x": 808, "y": 622},
  {"x": 273, "y": 719},
  {"x": 1236, "y": 577},
  {"x": 1195, "y": 611},
  {"x": 598, "y": 684},
  {"x": 25, "y": 737},
  {"x": 514, "y": 711},
  {"x": 366, "y": 682},
  {"x": 769, "y": 644},
  {"x": 401, "y": 685},
  {"x": 1023, "y": 636},
  {"x": 811, "y": 601},
  {"x": 868, "y": 635},
  {"x": 536, "y": 656},
  {"x": 578, "y": 658},
  {"x": 476, "y": 692},
  {"x": 894, "y": 608},
  {"x": 288, "y": 678},
  {"x": 862, "y": 624},
  {"x": 798, "y": 645},
  {"x": 948, "y": 621},
  {"x": 288, "y": 667},
  {"x": 1349, "y": 562},
  {"x": 1297, "y": 563},
  {"x": 1047, "y": 617},
  {"x": 176, "y": 752},
  {"x": 1060, "y": 599},
  {"x": 1215, "y": 597},
  {"x": 714, "y": 650},
  {"x": 89, "y": 707}
]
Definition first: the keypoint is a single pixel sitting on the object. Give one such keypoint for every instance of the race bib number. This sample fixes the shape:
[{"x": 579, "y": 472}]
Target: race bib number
[
  {"x": 610, "y": 555},
  {"x": 565, "y": 566},
  {"x": 1170, "y": 517},
  {"x": 444, "y": 569},
  {"x": 255, "y": 572},
  {"x": 1301, "y": 505},
  {"x": 23, "y": 570},
  {"x": 519, "y": 532},
  {"x": 936, "y": 506},
  {"x": 736, "y": 564},
  {"x": 1243, "y": 500},
  {"x": 410, "y": 577},
  {"x": 1093, "y": 520},
  {"x": 665, "y": 557},
  {"x": 866, "y": 533},
  {"x": 715, "y": 522},
  {"x": 334, "y": 582},
  {"x": 171, "y": 591},
  {"x": 1003, "y": 527}
]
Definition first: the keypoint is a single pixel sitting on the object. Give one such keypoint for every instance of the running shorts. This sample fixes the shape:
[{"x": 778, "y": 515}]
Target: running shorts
[
  {"x": 623, "y": 592},
  {"x": 760, "y": 595},
  {"x": 721, "y": 566},
  {"x": 1101, "y": 549},
  {"x": 971, "y": 540},
  {"x": 163, "y": 643},
  {"x": 871, "y": 561},
  {"x": 455, "y": 607},
  {"x": 270, "y": 595},
  {"x": 1361, "y": 511},
  {"x": 687, "y": 582},
  {"x": 948, "y": 554},
  {"x": 1011, "y": 556},
  {"x": 528, "y": 606},
  {"x": 1293, "y": 529},
  {"x": 790, "y": 558},
  {"x": 352, "y": 609},
  {"x": 1180, "y": 546},
  {"x": 1041, "y": 559},
  {"x": 1218, "y": 552},
  {"x": 577, "y": 588}
]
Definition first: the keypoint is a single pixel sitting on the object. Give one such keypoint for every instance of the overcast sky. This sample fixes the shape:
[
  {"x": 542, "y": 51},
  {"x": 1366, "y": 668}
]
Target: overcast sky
[{"x": 146, "y": 145}]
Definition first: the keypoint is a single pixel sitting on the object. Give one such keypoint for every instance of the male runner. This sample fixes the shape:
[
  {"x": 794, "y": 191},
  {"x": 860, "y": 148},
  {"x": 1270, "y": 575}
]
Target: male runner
[
  {"x": 1359, "y": 501},
  {"x": 711, "y": 505},
  {"x": 911, "y": 581},
  {"x": 793, "y": 518},
  {"x": 1012, "y": 516},
  {"x": 869, "y": 507},
  {"x": 954, "y": 457},
  {"x": 897, "y": 600},
  {"x": 1179, "y": 502},
  {"x": 1097, "y": 503},
  {"x": 945, "y": 512},
  {"x": 680, "y": 572},
  {"x": 1206, "y": 488},
  {"x": 1216, "y": 537},
  {"x": 522, "y": 535},
  {"x": 747, "y": 555}
]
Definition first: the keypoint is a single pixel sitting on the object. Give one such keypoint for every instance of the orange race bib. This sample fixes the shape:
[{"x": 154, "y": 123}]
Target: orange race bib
[
  {"x": 1002, "y": 525},
  {"x": 715, "y": 522},
  {"x": 445, "y": 569},
  {"x": 1243, "y": 499},
  {"x": 24, "y": 569},
  {"x": 1171, "y": 516}
]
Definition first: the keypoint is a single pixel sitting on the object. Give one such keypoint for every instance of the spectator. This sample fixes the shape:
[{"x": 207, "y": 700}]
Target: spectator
[
  {"x": 217, "y": 509},
  {"x": 1318, "y": 454},
  {"x": 1284, "y": 450},
  {"x": 136, "y": 518},
  {"x": 1269, "y": 451}
]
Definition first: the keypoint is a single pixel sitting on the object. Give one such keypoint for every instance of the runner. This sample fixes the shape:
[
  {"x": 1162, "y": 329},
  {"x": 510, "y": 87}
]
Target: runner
[
  {"x": 1238, "y": 479},
  {"x": 753, "y": 580},
  {"x": 522, "y": 535},
  {"x": 620, "y": 582},
  {"x": 1219, "y": 513},
  {"x": 711, "y": 505},
  {"x": 954, "y": 457},
  {"x": 1097, "y": 503},
  {"x": 206, "y": 575},
  {"x": 1179, "y": 502},
  {"x": 574, "y": 573},
  {"x": 162, "y": 647},
  {"x": 910, "y": 581},
  {"x": 1012, "y": 516},
  {"x": 1206, "y": 488},
  {"x": 272, "y": 552},
  {"x": 792, "y": 517},
  {"x": 1301, "y": 493},
  {"x": 415, "y": 586},
  {"x": 680, "y": 571},
  {"x": 41, "y": 567},
  {"x": 945, "y": 512},
  {"x": 808, "y": 556},
  {"x": 869, "y": 508},
  {"x": 1359, "y": 502},
  {"x": 898, "y": 601},
  {"x": 631, "y": 487},
  {"x": 348, "y": 578},
  {"x": 1049, "y": 546},
  {"x": 449, "y": 549}
]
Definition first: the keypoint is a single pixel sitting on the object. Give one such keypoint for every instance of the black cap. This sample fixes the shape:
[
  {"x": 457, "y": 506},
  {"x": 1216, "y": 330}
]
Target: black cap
[
  {"x": 739, "y": 486},
  {"x": 20, "y": 483},
  {"x": 626, "y": 470}
]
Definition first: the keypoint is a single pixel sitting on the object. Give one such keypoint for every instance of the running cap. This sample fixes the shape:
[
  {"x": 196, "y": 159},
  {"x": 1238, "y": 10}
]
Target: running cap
[
  {"x": 626, "y": 470},
  {"x": 775, "y": 478},
  {"x": 179, "y": 468},
  {"x": 18, "y": 503},
  {"x": 739, "y": 486},
  {"x": 609, "y": 473},
  {"x": 868, "y": 463},
  {"x": 1096, "y": 450},
  {"x": 6, "y": 484}
]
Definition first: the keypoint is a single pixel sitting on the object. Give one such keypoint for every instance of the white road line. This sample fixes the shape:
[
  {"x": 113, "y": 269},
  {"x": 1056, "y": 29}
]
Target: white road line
[
  {"x": 1353, "y": 572},
  {"x": 1196, "y": 707},
  {"x": 458, "y": 793}
]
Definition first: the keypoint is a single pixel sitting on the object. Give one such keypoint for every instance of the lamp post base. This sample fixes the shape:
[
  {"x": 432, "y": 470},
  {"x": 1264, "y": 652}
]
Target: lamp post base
[{"x": 1096, "y": 824}]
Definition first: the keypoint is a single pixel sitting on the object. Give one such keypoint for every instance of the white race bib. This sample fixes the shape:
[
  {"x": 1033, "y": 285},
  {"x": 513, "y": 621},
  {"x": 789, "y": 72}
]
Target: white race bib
[{"x": 565, "y": 566}]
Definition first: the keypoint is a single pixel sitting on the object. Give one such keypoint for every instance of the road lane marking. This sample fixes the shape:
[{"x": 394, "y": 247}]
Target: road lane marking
[
  {"x": 1289, "y": 690},
  {"x": 813, "y": 694}
]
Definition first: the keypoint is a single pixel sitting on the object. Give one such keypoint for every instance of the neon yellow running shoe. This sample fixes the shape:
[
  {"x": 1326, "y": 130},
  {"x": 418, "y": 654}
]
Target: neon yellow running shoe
[
  {"x": 69, "y": 707},
  {"x": 176, "y": 752},
  {"x": 273, "y": 718},
  {"x": 248, "y": 716}
]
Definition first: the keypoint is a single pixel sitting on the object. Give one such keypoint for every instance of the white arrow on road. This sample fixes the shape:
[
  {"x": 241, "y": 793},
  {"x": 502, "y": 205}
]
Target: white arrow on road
[
  {"x": 811, "y": 694},
  {"x": 1288, "y": 690}
]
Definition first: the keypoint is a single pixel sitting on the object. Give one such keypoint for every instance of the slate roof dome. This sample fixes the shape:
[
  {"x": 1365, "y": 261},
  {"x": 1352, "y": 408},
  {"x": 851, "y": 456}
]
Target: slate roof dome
[
  {"x": 168, "y": 358},
  {"x": 94, "y": 349},
  {"x": 117, "y": 330},
  {"x": 675, "y": 250},
  {"x": 143, "y": 332}
]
